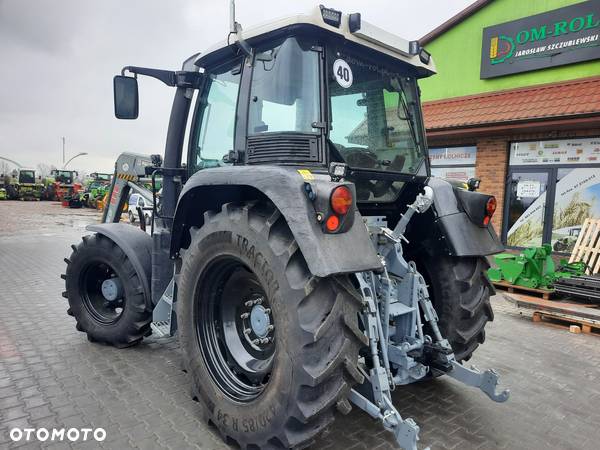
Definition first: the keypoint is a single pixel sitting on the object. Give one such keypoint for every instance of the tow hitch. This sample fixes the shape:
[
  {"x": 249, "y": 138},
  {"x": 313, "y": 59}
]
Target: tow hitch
[{"x": 396, "y": 308}]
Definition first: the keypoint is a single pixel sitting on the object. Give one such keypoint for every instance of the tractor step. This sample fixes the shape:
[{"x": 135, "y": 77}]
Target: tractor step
[{"x": 161, "y": 329}]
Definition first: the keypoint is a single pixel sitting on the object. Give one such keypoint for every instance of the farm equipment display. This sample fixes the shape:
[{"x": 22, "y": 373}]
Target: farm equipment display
[
  {"x": 24, "y": 185},
  {"x": 303, "y": 254},
  {"x": 533, "y": 268},
  {"x": 95, "y": 190},
  {"x": 65, "y": 186}
]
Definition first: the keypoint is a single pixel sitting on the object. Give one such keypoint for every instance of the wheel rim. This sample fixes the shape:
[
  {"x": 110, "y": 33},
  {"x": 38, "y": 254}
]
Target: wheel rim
[
  {"x": 235, "y": 329},
  {"x": 102, "y": 292}
]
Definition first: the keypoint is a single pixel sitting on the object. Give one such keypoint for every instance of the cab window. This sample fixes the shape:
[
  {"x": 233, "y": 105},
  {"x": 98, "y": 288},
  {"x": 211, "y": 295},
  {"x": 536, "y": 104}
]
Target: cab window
[
  {"x": 216, "y": 117},
  {"x": 284, "y": 95}
]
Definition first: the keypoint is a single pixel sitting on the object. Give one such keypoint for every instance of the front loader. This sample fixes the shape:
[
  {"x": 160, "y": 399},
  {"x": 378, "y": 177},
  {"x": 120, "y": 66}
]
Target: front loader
[{"x": 302, "y": 252}]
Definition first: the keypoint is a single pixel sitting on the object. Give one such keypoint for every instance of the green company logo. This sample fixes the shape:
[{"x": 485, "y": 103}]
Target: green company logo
[{"x": 503, "y": 48}]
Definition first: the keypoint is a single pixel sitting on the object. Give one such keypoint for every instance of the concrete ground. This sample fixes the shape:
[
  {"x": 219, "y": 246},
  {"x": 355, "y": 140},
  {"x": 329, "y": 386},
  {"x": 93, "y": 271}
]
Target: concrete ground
[{"x": 51, "y": 376}]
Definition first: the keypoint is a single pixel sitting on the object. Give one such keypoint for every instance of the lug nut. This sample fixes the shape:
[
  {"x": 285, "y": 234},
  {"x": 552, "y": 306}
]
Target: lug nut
[
  {"x": 270, "y": 328},
  {"x": 256, "y": 341},
  {"x": 247, "y": 331},
  {"x": 258, "y": 301},
  {"x": 245, "y": 315},
  {"x": 249, "y": 303},
  {"x": 265, "y": 341},
  {"x": 267, "y": 310}
]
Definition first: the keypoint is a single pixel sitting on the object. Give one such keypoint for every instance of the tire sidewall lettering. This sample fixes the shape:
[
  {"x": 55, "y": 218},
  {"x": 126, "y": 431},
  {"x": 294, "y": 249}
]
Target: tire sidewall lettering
[{"x": 259, "y": 263}]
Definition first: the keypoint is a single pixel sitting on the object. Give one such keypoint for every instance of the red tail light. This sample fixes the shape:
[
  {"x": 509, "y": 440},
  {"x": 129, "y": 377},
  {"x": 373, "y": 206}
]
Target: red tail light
[
  {"x": 341, "y": 200},
  {"x": 490, "y": 209},
  {"x": 332, "y": 223}
]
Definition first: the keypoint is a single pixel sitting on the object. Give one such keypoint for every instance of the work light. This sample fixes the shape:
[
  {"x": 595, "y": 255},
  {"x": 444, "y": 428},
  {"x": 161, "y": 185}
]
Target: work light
[{"x": 331, "y": 16}]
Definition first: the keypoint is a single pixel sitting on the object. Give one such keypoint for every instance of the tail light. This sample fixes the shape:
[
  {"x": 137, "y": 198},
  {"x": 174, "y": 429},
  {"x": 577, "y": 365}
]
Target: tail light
[
  {"x": 490, "y": 209},
  {"x": 332, "y": 223},
  {"x": 341, "y": 200}
]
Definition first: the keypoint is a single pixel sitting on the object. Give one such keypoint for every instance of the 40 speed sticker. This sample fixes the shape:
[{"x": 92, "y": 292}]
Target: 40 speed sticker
[{"x": 343, "y": 73}]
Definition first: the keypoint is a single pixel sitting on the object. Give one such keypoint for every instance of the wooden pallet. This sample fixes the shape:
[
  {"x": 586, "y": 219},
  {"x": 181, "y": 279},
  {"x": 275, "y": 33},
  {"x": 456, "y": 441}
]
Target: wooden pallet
[
  {"x": 587, "y": 247},
  {"x": 587, "y": 326},
  {"x": 511, "y": 288}
]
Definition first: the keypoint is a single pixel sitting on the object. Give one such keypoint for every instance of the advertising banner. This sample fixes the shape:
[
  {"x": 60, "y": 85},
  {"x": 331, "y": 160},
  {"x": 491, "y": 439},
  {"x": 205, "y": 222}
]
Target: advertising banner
[
  {"x": 561, "y": 36},
  {"x": 565, "y": 151},
  {"x": 452, "y": 156}
]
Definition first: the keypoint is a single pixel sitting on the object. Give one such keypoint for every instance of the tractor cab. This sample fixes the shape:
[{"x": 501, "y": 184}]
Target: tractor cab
[
  {"x": 26, "y": 176},
  {"x": 64, "y": 177},
  {"x": 314, "y": 90}
]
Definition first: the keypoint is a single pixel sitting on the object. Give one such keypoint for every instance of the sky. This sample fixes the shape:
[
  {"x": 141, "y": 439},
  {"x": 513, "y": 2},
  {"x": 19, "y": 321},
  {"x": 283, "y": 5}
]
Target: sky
[{"x": 58, "y": 58}]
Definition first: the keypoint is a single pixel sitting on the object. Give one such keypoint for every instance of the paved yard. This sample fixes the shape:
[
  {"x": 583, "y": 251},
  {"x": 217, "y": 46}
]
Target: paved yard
[{"x": 51, "y": 376}]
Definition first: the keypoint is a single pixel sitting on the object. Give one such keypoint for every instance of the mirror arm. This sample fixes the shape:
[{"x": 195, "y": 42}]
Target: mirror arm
[{"x": 183, "y": 79}]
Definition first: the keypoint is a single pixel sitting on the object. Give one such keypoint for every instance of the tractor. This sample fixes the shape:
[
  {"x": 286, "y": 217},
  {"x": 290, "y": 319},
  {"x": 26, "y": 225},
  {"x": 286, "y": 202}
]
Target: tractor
[
  {"x": 95, "y": 189},
  {"x": 65, "y": 186},
  {"x": 302, "y": 252}
]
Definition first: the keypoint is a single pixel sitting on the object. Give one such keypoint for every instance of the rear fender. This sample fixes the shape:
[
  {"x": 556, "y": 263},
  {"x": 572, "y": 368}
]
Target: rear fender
[
  {"x": 136, "y": 244},
  {"x": 326, "y": 254},
  {"x": 455, "y": 233}
]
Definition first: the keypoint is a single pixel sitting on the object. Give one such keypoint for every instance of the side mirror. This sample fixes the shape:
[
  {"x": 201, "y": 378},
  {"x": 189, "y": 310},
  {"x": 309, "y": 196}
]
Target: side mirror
[{"x": 126, "y": 97}]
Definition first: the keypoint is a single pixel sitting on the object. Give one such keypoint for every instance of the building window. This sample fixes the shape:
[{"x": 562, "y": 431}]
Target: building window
[
  {"x": 454, "y": 163},
  {"x": 553, "y": 187}
]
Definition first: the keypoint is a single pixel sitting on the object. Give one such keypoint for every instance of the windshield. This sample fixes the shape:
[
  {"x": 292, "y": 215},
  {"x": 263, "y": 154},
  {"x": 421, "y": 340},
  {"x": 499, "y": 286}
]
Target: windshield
[
  {"x": 375, "y": 121},
  {"x": 63, "y": 176},
  {"x": 26, "y": 176}
]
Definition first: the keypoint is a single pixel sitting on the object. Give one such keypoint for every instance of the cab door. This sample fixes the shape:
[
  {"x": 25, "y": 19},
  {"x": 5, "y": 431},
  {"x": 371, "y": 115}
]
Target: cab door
[{"x": 215, "y": 118}]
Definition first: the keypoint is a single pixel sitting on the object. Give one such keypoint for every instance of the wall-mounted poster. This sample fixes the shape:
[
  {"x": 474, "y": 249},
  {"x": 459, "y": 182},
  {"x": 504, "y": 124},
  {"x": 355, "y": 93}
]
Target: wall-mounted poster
[
  {"x": 454, "y": 173},
  {"x": 576, "y": 198}
]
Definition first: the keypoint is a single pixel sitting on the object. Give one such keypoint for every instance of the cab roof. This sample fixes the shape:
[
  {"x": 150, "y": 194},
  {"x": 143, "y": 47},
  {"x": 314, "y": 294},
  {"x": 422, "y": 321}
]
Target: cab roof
[{"x": 347, "y": 26}]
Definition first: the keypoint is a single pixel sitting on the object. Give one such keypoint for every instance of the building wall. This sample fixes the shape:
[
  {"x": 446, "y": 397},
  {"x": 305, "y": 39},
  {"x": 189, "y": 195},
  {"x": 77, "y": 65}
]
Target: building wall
[{"x": 457, "y": 54}]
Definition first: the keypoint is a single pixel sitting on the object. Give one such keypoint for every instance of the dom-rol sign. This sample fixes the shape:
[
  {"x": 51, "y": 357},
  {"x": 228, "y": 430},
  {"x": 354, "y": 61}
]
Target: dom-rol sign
[{"x": 558, "y": 37}]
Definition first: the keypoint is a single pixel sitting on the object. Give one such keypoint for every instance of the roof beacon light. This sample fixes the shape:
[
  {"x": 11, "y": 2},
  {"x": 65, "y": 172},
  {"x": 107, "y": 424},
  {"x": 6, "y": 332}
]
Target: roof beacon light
[{"x": 331, "y": 16}]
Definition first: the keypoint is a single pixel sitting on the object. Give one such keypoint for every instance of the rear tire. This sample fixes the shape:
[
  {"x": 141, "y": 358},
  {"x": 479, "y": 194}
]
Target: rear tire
[
  {"x": 121, "y": 322},
  {"x": 460, "y": 292},
  {"x": 288, "y": 391}
]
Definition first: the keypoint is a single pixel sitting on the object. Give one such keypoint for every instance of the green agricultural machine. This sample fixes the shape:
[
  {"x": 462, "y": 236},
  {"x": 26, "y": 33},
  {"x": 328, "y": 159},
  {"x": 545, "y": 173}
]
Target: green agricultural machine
[
  {"x": 24, "y": 185},
  {"x": 303, "y": 254},
  {"x": 95, "y": 190},
  {"x": 533, "y": 268}
]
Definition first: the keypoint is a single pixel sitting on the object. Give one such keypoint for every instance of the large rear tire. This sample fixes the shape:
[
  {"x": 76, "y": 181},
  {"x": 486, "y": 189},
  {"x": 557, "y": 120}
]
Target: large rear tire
[
  {"x": 270, "y": 348},
  {"x": 105, "y": 293},
  {"x": 460, "y": 292}
]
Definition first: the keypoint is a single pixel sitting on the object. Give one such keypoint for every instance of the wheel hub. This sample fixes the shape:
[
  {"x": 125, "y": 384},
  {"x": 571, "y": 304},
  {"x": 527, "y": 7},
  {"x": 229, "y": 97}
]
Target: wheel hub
[
  {"x": 112, "y": 289},
  {"x": 260, "y": 321}
]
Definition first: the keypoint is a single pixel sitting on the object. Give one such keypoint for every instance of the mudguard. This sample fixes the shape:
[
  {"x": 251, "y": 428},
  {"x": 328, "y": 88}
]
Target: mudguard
[
  {"x": 325, "y": 254},
  {"x": 136, "y": 244},
  {"x": 461, "y": 236}
]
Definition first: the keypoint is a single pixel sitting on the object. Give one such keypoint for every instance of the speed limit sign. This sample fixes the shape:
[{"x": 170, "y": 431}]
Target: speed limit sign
[{"x": 342, "y": 73}]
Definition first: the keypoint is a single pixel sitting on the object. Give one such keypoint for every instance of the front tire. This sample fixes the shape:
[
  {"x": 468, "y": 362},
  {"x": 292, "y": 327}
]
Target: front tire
[
  {"x": 131, "y": 217},
  {"x": 276, "y": 384},
  {"x": 105, "y": 293}
]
